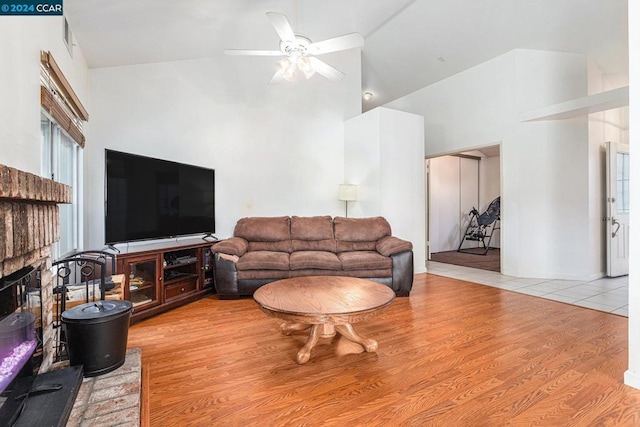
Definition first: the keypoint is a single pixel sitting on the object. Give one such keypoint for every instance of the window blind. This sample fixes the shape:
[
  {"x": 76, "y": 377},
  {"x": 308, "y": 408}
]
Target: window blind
[{"x": 59, "y": 100}]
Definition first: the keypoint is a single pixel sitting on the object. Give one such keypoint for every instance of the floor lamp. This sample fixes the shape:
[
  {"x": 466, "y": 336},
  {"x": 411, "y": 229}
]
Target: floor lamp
[{"x": 348, "y": 193}]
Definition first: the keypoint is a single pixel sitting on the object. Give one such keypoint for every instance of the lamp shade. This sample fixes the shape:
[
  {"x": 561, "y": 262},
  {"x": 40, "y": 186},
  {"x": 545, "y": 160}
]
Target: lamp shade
[{"x": 348, "y": 192}]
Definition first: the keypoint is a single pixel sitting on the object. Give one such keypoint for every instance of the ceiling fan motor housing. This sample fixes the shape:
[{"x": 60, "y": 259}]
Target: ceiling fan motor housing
[{"x": 296, "y": 48}]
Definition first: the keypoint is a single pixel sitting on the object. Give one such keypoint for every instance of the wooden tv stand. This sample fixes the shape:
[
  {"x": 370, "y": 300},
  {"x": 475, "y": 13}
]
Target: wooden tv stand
[{"x": 165, "y": 275}]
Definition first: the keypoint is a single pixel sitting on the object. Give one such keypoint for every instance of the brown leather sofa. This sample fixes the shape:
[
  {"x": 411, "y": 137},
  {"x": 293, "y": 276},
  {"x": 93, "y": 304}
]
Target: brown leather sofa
[{"x": 265, "y": 249}]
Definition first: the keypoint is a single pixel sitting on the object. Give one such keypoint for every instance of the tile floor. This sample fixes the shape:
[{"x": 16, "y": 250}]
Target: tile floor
[{"x": 605, "y": 294}]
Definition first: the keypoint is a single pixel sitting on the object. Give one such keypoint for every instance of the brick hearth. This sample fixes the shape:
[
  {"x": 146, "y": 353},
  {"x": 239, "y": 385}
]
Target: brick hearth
[{"x": 111, "y": 399}]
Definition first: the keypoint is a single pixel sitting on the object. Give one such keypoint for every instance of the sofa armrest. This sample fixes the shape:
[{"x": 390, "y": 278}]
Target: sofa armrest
[
  {"x": 226, "y": 276},
  {"x": 391, "y": 245},
  {"x": 233, "y": 258},
  {"x": 233, "y": 246},
  {"x": 402, "y": 273}
]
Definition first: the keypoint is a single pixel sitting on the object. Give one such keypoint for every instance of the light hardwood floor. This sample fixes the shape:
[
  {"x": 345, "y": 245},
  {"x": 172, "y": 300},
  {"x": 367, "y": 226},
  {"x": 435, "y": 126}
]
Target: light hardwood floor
[{"x": 454, "y": 353}]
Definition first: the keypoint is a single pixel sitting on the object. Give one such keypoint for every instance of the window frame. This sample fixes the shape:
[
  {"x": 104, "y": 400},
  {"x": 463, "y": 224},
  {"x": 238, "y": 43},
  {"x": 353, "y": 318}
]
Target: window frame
[{"x": 51, "y": 169}]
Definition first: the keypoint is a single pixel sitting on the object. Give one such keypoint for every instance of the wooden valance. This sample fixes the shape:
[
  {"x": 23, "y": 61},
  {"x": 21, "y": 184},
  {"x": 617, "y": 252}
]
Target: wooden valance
[{"x": 63, "y": 84}]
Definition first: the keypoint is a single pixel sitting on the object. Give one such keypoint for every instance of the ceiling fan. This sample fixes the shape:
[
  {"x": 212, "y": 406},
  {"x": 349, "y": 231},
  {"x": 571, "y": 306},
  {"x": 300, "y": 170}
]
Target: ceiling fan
[{"x": 300, "y": 52}]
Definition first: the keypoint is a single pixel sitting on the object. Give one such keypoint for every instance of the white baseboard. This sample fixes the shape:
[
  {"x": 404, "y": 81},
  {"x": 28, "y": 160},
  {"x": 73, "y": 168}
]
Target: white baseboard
[{"x": 632, "y": 379}]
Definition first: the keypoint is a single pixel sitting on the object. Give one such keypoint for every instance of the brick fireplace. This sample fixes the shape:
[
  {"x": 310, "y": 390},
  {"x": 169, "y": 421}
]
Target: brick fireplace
[{"x": 29, "y": 225}]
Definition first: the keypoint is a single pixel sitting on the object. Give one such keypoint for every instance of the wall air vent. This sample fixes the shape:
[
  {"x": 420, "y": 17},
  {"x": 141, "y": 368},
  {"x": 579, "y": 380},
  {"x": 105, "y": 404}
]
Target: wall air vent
[{"x": 67, "y": 36}]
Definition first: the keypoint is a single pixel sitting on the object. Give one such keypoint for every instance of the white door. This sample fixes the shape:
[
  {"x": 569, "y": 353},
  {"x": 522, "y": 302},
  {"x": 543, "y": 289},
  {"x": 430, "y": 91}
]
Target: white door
[
  {"x": 617, "y": 210},
  {"x": 427, "y": 210}
]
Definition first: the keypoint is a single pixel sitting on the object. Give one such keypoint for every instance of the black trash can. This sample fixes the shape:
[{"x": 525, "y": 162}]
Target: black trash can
[{"x": 96, "y": 335}]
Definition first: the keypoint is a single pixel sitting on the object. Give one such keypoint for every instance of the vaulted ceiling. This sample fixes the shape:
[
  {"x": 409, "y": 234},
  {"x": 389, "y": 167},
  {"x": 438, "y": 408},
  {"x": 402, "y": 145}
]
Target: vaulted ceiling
[{"x": 409, "y": 44}]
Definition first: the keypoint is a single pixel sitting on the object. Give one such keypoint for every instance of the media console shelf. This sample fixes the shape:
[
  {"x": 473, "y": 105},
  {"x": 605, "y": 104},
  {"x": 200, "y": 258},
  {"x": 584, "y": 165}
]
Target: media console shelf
[{"x": 162, "y": 276}]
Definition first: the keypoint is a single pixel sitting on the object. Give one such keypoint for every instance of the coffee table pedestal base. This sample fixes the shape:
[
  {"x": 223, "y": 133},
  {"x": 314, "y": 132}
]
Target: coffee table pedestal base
[
  {"x": 325, "y": 305},
  {"x": 325, "y": 330}
]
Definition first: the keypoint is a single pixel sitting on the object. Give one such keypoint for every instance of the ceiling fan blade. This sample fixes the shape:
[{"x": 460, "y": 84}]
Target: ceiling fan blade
[
  {"x": 278, "y": 77},
  {"x": 325, "y": 69},
  {"x": 348, "y": 41},
  {"x": 282, "y": 26},
  {"x": 249, "y": 52}
]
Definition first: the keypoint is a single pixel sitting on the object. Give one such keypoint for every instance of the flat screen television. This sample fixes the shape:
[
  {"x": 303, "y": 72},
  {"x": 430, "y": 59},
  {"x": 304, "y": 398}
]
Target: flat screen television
[{"x": 149, "y": 198}]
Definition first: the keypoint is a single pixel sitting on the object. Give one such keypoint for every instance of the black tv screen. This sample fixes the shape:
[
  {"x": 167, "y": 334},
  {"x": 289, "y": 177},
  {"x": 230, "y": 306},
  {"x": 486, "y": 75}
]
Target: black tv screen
[{"x": 149, "y": 198}]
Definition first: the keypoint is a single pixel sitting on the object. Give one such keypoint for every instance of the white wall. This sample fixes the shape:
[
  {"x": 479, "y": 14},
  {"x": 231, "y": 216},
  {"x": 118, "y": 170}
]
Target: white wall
[
  {"x": 469, "y": 197},
  {"x": 277, "y": 150},
  {"x": 632, "y": 375},
  {"x": 545, "y": 171},
  {"x": 384, "y": 156},
  {"x": 21, "y": 40},
  {"x": 490, "y": 180}
]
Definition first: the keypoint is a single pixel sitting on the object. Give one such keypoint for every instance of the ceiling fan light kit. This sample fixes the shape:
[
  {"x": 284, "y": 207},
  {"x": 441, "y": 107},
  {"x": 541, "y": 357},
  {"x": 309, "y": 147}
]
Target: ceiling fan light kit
[{"x": 300, "y": 52}]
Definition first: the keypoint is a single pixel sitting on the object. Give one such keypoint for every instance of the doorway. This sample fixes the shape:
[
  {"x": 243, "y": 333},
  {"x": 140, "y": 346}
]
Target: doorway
[
  {"x": 456, "y": 184},
  {"x": 617, "y": 202}
]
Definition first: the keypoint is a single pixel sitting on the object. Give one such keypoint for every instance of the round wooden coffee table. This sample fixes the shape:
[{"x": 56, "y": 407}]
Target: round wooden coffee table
[{"x": 325, "y": 304}]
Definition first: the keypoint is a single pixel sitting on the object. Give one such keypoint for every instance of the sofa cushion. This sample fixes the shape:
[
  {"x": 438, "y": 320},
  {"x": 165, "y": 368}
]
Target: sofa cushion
[
  {"x": 381, "y": 273},
  {"x": 311, "y": 228},
  {"x": 390, "y": 245},
  {"x": 262, "y": 275},
  {"x": 328, "y": 245},
  {"x": 361, "y": 229},
  {"x": 314, "y": 259},
  {"x": 233, "y": 246},
  {"x": 263, "y": 229},
  {"x": 263, "y": 260},
  {"x": 364, "y": 260},
  {"x": 279, "y": 246},
  {"x": 312, "y": 233},
  {"x": 342, "y": 246},
  {"x": 378, "y": 273}
]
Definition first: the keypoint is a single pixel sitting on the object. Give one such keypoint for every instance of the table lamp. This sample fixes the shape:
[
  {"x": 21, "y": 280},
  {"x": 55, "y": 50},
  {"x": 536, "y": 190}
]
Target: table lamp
[{"x": 348, "y": 193}]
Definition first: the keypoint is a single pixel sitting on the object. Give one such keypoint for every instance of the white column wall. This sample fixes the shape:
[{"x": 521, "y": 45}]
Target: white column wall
[
  {"x": 548, "y": 190},
  {"x": 544, "y": 164},
  {"x": 551, "y": 206},
  {"x": 276, "y": 149},
  {"x": 632, "y": 375},
  {"x": 362, "y": 159},
  {"x": 384, "y": 156},
  {"x": 23, "y": 37},
  {"x": 402, "y": 188}
]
